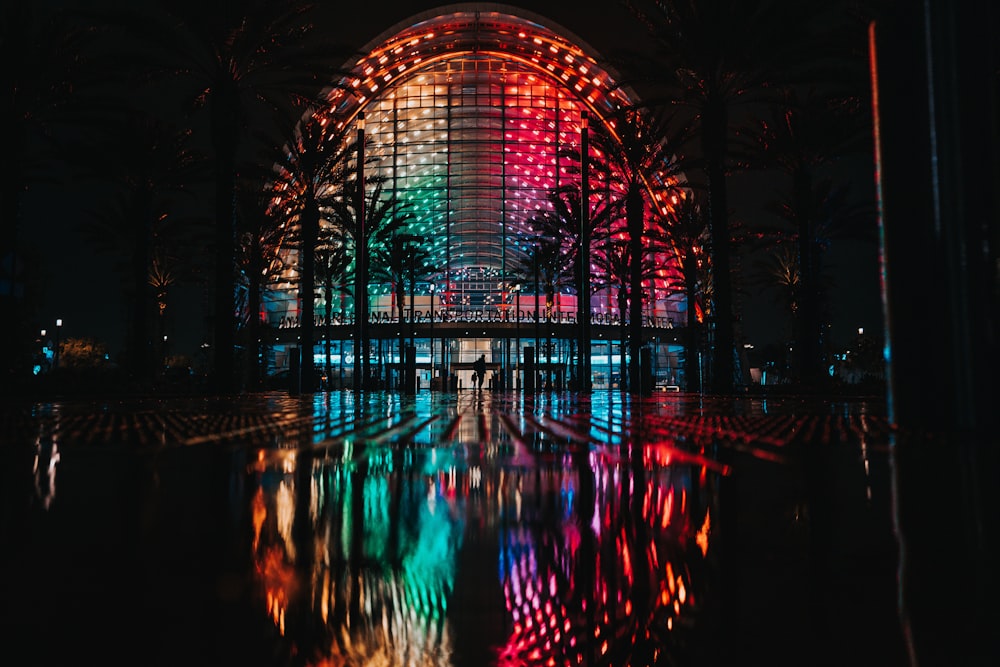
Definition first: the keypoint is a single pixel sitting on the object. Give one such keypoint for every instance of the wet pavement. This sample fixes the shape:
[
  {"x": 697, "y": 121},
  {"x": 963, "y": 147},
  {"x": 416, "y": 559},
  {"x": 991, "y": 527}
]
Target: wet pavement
[{"x": 462, "y": 530}]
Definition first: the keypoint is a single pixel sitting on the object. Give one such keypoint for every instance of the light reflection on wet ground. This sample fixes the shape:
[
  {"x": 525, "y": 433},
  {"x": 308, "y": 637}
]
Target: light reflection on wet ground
[{"x": 465, "y": 529}]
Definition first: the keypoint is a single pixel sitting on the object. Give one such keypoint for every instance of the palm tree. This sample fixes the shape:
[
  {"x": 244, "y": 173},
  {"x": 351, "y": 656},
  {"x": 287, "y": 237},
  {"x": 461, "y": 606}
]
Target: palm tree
[
  {"x": 526, "y": 270},
  {"x": 384, "y": 217},
  {"x": 311, "y": 168},
  {"x": 403, "y": 257},
  {"x": 263, "y": 67},
  {"x": 565, "y": 221},
  {"x": 638, "y": 152},
  {"x": 778, "y": 271},
  {"x": 613, "y": 260},
  {"x": 684, "y": 229},
  {"x": 162, "y": 278},
  {"x": 44, "y": 55},
  {"x": 550, "y": 260},
  {"x": 714, "y": 59},
  {"x": 332, "y": 262},
  {"x": 261, "y": 234},
  {"x": 154, "y": 163},
  {"x": 809, "y": 133},
  {"x": 614, "y": 263}
]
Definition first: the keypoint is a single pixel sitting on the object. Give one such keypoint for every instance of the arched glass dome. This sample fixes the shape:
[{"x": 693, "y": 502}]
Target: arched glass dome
[{"x": 475, "y": 112}]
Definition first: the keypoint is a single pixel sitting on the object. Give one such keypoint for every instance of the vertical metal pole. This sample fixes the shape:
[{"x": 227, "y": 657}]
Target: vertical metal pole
[
  {"x": 411, "y": 369},
  {"x": 431, "y": 289},
  {"x": 55, "y": 358},
  {"x": 361, "y": 269},
  {"x": 517, "y": 339},
  {"x": 583, "y": 308}
]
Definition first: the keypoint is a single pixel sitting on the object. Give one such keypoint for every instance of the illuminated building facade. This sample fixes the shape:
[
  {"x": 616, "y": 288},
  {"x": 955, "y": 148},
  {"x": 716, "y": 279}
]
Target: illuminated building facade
[{"x": 475, "y": 118}]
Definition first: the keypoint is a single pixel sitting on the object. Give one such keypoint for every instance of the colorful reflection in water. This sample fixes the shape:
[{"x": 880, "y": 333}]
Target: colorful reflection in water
[
  {"x": 393, "y": 552},
  {"x": 467, "y": 529}
]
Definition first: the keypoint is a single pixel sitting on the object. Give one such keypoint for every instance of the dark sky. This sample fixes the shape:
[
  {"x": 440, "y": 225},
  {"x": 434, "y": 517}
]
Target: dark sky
[{"x": 70, "y": 267}]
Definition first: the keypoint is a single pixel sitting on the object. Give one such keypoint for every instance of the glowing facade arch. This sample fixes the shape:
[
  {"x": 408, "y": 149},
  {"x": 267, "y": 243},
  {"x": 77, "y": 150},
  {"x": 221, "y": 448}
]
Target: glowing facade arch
[{"x": 475, "y": 112}]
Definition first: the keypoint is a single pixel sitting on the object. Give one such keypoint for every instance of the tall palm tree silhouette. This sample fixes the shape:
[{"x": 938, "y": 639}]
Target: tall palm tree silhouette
[
  {"x": 402, "y": 259},
  {"x": 722, "y": 61},
  {"x": 565, "y": 221},
  {"x": 383, "y": 218},
  {"x": 45, "y": 100},
  {"x": 807, "y": 134},
  {"x": 638, "y": 151},
  {"x": 261, "y": 235},
  {"x": 332, "y": 262},
  {"x": 776, "y": 273},
  {"x": 152, "y": 167},
  {"x": 311, "y": 172},
  {"x": 683, "y": 229},
  {"x": 548, "y": 264},
  {"x": 614, "y": 261},
  {"x": 259, "y": 66}
]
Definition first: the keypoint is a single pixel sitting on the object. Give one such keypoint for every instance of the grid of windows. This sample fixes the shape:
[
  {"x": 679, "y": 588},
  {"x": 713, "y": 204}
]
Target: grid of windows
[
  {"x": 472, "y": 143},
  {"x": 473, "y": 119}
]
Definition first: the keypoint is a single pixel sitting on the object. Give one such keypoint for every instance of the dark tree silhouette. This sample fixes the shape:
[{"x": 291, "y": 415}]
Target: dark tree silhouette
[
  {"x": 683, "y": 230},
  {"x": 156, "y": 168},
  {"x": 550, "y": 261},
  {"x": 262, "y": 235},
  {"x": 260, "y": 67},
  {"x": 805, "y": 138},
  {"x": 312, "y": 170},
  {"x": 44, "y": 58},
  {"x": 402, "y": 259},
  {"x": 722, "y": 61},
  {"x": 332, "y": 262},
  {"x": 638, "y": 151},
  {"x": 614, "y": 261},
  {"x": 567, "y": 221},
  {"x": 384, "y": 217}
]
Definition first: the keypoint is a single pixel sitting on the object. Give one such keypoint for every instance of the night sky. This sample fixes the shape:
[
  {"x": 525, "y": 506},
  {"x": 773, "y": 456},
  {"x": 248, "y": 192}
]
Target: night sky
[{"x": 80, "y": 287}]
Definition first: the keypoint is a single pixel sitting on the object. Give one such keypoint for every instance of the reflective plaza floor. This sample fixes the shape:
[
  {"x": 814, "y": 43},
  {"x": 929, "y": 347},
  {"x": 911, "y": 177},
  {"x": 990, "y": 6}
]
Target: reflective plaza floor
[{"x": 466, "y": 529}]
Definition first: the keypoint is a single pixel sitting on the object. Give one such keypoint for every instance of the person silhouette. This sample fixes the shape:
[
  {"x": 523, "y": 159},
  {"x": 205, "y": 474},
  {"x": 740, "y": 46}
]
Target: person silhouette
[{"x": 480, "y": 368}]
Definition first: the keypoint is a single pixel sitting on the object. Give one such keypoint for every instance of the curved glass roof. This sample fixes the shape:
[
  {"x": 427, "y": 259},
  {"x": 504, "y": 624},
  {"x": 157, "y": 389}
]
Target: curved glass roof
[{"x": 471, "y": 112}]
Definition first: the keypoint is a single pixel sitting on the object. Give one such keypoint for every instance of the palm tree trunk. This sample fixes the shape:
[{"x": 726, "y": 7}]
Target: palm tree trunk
[
  {"x": 808, "y": 325},
  {"x": 327, "y": 317},
  {"x": 692, "y": 372},
  {"x": 623, "y": 379},
  {"x": 538, "y": 338},
  {"x": 13, "y": 333},
  {"x": 307, "y": 288},
  {"x": 400, "y": 298},
  {"x": 549, "y": 304},
  {"x": 140, "y": 341},
  {"x": 634, "y": 213},
  {"x": 253, "y": 365},
  {"x": 225, "y": 139},
  {"x": 714, "y": 130}
]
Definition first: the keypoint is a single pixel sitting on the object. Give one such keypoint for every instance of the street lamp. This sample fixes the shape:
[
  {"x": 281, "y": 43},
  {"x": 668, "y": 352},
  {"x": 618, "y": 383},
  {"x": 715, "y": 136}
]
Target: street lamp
[
  {"x": 55, "y": 361},
  {"x": 583, "y": 293},
  {"x": 41, "y": 350},
  {"x": 361, "y": 269}
]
